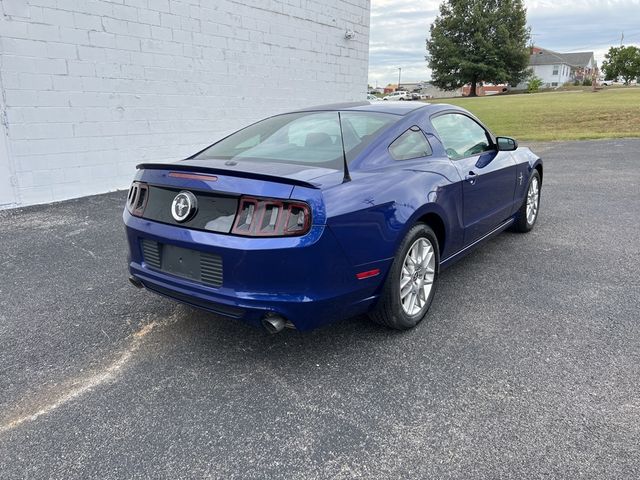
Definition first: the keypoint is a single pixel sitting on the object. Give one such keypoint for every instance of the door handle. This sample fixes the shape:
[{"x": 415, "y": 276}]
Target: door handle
[{"x": 471, "y": 178}]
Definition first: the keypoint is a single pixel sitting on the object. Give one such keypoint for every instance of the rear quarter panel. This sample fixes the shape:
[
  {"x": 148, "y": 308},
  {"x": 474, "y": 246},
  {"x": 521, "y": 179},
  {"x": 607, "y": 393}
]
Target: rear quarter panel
[{"x": 371, "y": 214}]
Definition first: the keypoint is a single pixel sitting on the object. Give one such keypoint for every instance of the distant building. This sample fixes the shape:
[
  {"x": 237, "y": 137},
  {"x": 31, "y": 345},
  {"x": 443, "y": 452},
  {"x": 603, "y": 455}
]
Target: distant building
[
  {"x": 427, "y": 88},
  {"x": 485, "y": 89},
  {"x": 410, "y": 86},
  {"x": 430, "y": 89},
  {"x": 556, "y": 69}
]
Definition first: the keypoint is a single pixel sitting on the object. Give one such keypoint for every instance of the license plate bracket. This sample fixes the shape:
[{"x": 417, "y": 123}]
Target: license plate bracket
[{"x": 182, "y": 262}]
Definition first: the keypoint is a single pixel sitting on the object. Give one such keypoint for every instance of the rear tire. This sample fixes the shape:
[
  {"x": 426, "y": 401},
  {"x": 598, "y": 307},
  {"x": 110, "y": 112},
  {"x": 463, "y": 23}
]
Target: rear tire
[
  {"x": 410, "y": 286},
  {"x": 528, "y": 213}
]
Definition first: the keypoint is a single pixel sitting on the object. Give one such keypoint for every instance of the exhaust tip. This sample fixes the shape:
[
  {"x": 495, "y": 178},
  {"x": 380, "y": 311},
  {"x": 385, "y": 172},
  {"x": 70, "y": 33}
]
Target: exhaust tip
[
  {"x": 274, "y": 323},
  {"x": 135, "y": 282}
]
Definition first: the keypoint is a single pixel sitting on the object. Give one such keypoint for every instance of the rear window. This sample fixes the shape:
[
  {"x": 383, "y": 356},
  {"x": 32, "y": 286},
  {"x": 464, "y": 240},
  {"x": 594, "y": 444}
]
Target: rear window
[{"x": 303, "y": 138}]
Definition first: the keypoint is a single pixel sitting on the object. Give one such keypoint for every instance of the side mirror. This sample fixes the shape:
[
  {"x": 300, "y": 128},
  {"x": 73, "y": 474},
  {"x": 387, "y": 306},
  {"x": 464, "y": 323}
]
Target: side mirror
[{"x": 506, "y": 144}]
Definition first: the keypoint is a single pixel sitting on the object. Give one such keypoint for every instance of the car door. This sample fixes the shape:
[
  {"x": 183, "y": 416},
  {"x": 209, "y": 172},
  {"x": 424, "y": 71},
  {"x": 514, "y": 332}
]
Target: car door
[{"x": 488, "y": 176}]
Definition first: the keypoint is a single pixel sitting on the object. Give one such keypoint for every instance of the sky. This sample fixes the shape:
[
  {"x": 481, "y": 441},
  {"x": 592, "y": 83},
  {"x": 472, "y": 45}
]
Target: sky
[{"x": 399, "y": 29}]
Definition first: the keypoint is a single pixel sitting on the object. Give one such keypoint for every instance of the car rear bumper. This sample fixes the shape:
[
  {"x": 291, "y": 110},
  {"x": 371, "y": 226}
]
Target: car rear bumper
[{"x": 308, "y": 280}]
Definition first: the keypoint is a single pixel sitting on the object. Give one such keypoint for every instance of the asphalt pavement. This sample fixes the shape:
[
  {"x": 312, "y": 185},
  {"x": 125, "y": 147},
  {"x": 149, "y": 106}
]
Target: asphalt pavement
[{"x": 528, "y": 365}]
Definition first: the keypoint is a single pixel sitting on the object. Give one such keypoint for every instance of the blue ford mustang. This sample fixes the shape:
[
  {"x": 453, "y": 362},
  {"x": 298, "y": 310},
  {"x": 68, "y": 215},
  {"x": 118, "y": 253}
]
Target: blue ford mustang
[{"x": 329, "y": 212}]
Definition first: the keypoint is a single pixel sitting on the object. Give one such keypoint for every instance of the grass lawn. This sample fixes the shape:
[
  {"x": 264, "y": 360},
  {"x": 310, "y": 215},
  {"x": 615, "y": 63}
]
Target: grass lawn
[{"x": 571, "y": 115}]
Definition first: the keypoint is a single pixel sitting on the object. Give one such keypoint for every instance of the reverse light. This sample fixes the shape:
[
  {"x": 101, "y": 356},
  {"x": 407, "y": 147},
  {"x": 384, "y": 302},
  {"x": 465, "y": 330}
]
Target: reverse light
[
  {"x": 262, "y": 217},
  {"x": 137, "y": 198}
]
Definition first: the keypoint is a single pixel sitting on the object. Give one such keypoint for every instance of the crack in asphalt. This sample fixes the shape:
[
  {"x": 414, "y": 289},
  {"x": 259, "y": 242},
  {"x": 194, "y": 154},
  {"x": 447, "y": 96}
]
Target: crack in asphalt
[{"x": 83, "y": 385}]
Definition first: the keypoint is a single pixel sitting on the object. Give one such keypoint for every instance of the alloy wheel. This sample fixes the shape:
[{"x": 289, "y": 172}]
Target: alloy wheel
[
  {"x": 533, "y": 197},
  {"x": 417, "y": 276}
]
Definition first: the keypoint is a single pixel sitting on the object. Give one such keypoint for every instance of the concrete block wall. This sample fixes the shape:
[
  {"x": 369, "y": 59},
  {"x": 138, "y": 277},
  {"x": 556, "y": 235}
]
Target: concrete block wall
[{"x": 90, "y": 88}]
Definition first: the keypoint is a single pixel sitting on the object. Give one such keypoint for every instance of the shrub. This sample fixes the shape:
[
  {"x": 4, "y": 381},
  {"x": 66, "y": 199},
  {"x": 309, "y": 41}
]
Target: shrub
[
  {"x": 586, "y": 82},
  {"x": 534, "y": 84}
]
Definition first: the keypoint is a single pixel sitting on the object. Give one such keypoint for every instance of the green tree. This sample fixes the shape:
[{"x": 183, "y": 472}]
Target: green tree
[
  {"x": 478, "y": 40},
  {"x": 622, "y": 62}
]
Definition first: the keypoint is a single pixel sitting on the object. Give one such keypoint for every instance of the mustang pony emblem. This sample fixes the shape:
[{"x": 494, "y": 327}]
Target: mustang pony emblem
[
  {"x": 184, "y": 206},
  {"x": 520, "y": 177}
]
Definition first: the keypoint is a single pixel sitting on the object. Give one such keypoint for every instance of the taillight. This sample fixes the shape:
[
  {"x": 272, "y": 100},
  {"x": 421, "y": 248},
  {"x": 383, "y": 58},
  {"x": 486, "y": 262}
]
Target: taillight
[
  {"x": 261, "y": 217},
  {"x": 137, "y": 198}
]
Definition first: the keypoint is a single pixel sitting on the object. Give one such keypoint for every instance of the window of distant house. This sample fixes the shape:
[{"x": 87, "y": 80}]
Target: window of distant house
[
  {"x": 554, "y": 84},
  {"x": 555, "y": 69}
]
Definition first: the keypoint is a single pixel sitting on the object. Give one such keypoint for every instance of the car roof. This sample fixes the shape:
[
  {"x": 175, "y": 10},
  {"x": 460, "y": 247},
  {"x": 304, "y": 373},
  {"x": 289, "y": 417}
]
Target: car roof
[{"x": 396, "y": 108}]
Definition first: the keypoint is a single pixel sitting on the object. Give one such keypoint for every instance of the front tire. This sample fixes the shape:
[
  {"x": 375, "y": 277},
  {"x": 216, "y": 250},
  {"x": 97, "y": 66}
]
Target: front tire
[
  {"x": 528, "y": 213},
  {"x": 410, "y": 286}
]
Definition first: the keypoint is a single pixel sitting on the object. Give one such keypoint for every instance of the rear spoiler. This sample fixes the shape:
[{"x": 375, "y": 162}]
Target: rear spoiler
[{"x": 222, "y": 171}]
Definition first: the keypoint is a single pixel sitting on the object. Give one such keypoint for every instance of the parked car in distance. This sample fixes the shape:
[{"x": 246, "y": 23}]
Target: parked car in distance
[
  {"x": 372, "y": 98},
  {"x": 320, "y": 214},
  {"x": 399, "y": 95},
  {"x": 420, "y": 96},
  {"x": 609, "y": 83}
]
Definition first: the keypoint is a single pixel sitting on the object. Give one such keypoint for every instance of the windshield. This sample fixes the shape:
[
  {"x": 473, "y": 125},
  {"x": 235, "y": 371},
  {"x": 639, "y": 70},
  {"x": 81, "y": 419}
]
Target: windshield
[{"x": 311, "y": 138}]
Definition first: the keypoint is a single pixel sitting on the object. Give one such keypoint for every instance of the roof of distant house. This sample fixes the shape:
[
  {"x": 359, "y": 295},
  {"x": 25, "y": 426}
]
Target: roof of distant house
[{"x": 542, "y": 56}]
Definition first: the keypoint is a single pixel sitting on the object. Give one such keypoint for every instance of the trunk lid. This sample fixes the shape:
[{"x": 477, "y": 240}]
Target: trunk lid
[{"x": 218, "y": 186}]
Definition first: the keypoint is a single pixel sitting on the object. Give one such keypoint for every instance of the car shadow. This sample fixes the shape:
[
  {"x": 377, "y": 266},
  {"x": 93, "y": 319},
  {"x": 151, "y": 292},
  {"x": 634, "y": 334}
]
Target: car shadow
[{"x": 209, "y": 336}]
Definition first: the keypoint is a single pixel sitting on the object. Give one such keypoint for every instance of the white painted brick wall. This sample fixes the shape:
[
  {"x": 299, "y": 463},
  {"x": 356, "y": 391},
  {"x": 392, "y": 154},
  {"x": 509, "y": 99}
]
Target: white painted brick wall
[{"x": 90, "y": 88}]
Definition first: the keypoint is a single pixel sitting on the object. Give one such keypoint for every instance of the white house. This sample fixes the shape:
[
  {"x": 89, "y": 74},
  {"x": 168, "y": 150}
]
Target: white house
[
  {"x": 90, "y": 89},
  {"x": 556, "y": 69}
]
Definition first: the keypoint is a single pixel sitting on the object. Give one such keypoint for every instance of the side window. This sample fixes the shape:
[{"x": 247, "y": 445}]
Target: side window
[
  {"x": 461, "y": 136},
  {"x": 411, "y": 144}
]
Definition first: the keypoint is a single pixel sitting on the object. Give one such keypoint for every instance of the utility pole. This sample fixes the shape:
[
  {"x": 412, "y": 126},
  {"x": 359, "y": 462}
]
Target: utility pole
[
  {"x": 399, "y": 74},
  {"x": 621, "y": 38}
]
